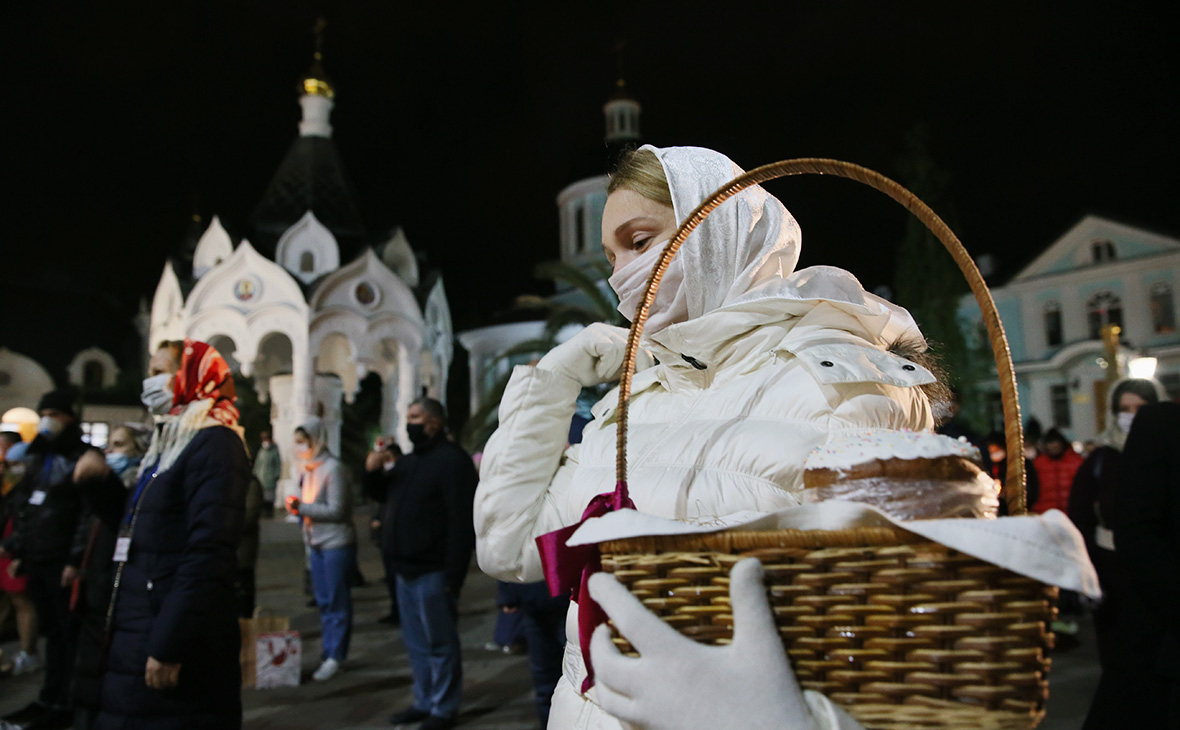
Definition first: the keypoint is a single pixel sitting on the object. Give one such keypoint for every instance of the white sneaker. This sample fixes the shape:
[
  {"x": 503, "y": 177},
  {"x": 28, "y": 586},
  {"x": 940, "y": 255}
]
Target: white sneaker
[
  {"x": 327, "y": 670},
  {"x": 25, "y": 663}
]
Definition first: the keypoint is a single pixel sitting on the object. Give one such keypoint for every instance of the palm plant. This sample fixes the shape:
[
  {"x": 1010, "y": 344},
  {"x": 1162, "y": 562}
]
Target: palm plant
[{"x": 591, "y": 304}]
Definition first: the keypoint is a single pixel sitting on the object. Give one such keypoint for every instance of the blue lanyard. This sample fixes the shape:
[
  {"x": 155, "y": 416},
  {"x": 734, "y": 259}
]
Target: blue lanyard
[{"x": 144, "y": 479}]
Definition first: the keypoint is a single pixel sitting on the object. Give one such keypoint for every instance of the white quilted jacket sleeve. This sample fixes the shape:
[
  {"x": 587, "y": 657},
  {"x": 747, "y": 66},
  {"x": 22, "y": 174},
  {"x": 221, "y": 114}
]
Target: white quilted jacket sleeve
[{"x": 524, "y": 472}]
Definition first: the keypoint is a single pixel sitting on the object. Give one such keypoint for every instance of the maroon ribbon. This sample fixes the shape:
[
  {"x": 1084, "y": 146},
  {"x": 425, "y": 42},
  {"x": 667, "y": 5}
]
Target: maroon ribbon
[{"x": 569, "y": 568}]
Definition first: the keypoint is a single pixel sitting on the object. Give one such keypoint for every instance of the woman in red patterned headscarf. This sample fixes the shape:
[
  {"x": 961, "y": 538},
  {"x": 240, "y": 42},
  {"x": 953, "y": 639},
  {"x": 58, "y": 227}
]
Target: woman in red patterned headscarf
[
  {"x": 174, "y": 601},
  {"x": 202, "y": 395}
]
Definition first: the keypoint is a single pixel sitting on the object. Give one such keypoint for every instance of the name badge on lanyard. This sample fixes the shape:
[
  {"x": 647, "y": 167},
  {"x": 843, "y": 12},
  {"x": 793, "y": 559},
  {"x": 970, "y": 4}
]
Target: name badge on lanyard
[{"x": 122, "y": 547}]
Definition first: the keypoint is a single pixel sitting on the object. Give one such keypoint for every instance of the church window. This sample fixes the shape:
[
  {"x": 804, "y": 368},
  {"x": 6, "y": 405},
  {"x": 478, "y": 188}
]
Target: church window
[
  {"x": 1053, "y": 335},
  {"x": 92, "y": 375},
  {"x": 1102, "y": 251},
  {"x": 1163, "y": 309},
  {"x": 306, "y": 262},
  {"x": 579, "y": 229},
  {"x": 1059, "y": 400},
  {"x": 1104, "y": 308}
]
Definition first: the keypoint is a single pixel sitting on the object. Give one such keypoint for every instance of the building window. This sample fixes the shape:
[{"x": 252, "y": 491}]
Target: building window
[
  {"x": 1102, "y": 251},
  {"x": 92, "y": 375},
  {"x": 96, "y": 434},
  {"x": 306, "y": 262},
  {"x": 1059, "y": 400},
  {"x": 1163, "y": 309},
  {"x": 1104, "y": 308},
  {"x": 1053, "y": 324},
  {"x": 579, "y": 229},
  {"x": 1171, "y": 383}
]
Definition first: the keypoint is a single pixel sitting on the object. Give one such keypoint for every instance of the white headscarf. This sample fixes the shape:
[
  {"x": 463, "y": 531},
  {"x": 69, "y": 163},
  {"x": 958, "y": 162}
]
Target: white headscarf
[
  {"x": 744, "y": 256},
  {"x": 749, "y": 239}
]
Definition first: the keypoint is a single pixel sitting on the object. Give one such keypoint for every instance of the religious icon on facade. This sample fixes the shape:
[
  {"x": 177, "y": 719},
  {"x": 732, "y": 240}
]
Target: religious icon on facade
[
  {"x": 245, "y": 290},
  {"x": 365, "y": 294}
]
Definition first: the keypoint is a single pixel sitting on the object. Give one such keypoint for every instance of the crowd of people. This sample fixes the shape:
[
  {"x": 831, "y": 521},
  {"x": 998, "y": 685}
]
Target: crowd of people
[{"x": 136, "y": 564}]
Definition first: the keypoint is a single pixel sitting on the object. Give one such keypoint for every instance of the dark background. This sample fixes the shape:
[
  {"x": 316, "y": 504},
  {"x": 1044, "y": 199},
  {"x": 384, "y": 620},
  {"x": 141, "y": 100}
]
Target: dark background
[{"x": 461, "y": 122}]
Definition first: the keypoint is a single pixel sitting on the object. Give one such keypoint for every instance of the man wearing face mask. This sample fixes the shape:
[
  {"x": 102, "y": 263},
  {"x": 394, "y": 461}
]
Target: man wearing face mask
[
  {"x": 46, "y": 546},
  {"x": 427, "y": 533}
]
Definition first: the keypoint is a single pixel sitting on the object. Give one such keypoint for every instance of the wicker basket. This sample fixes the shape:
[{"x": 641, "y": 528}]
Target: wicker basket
[{"x": 900, "y": 631}]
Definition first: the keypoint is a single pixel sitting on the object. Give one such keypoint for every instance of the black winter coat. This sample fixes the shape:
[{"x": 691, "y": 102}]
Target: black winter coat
[
  {"x": 427, "y": 522},
  {"x": 1140, "y": 685},
  {"x": 105, "y": 500},
  {"x": 175, "y": 600},
  {"x": 54, "y": 531}
]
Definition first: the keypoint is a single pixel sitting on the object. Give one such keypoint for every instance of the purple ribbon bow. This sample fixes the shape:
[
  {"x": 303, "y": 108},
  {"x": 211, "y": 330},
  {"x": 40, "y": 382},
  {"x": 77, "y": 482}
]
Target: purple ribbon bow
[{"x": 569, "y": 568}]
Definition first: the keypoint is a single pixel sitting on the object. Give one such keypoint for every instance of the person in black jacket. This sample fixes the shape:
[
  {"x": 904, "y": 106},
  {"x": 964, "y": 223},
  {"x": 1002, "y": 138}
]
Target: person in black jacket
[
  {"x": 1140, "y": 684},
  {"x": 428, "y": 534},
  {"x": 46, "y": 545},
  {"x": 103, "y": 480},
  {"x": 174, "y": 639}
]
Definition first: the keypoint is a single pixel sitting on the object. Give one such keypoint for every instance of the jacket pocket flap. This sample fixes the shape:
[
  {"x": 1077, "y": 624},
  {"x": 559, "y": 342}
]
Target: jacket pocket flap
[{"x": 837, "y": 363}]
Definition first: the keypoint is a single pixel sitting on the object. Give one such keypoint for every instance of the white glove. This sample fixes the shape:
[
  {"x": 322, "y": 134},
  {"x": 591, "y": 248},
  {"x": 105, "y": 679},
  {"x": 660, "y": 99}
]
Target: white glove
[
  {"x": 593, "y": 356},
  {"x": 678, "y": 684}
]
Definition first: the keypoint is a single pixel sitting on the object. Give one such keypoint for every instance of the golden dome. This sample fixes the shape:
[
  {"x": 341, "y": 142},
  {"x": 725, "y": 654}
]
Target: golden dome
[{"x": 316, "y": 82}]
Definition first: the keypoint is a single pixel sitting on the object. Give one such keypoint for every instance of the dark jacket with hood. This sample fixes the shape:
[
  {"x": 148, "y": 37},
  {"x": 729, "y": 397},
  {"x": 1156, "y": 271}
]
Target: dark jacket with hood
[
  {"x": 175, "y": 600},
  {"x": 426, "y": 524},
  {"x": 51, "y": 521}
]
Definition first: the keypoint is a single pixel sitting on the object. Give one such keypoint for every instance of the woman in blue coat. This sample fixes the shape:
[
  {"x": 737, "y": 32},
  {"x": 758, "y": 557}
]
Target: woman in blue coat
[{"x": 174, "y": 639}]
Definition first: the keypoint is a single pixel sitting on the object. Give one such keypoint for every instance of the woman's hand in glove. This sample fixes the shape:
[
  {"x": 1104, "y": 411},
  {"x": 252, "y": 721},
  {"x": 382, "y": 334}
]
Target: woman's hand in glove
[
  {"x": 593, "y": 356},
  {"x": 678, "y": 684}
]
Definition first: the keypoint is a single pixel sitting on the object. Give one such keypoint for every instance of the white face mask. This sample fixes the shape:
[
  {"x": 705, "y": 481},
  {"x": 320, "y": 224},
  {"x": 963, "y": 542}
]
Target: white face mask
[
  {"x": 1125, "y": 420},
  {"x": 157, "y": 394},
  {"x": 670, "y": 304},
  {"x": 49, "y": 426}
]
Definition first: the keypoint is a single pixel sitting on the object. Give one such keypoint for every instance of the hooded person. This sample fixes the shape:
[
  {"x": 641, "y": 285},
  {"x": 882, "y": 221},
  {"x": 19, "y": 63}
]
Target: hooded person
[
  {"x": 1095, "y": 506},
  {"x": 174, "y": 641},
  {"x": 325, "y": 505},
  {"x": 755, "y": 364}
]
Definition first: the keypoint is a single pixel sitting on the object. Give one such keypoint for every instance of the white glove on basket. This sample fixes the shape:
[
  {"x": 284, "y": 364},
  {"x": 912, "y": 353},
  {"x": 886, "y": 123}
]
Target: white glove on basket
[{"x": 679, "y": 684}]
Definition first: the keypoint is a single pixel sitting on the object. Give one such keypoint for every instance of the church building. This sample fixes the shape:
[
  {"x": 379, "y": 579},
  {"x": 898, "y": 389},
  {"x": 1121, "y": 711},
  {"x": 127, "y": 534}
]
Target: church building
[{"x": 310, "y": 304}]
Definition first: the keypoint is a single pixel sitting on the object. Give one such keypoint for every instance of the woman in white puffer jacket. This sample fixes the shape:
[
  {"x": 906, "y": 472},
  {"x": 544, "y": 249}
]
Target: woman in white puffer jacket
[{"x": 756, "y": 364}]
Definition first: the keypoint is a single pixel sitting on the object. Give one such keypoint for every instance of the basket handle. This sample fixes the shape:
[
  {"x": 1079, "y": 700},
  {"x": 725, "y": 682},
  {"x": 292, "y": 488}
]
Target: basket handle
[{"x": 819, "y": 166}]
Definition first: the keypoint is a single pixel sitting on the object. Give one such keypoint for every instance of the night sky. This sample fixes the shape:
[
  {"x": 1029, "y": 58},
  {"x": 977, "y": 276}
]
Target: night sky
[{"x": 461, "y": 122}]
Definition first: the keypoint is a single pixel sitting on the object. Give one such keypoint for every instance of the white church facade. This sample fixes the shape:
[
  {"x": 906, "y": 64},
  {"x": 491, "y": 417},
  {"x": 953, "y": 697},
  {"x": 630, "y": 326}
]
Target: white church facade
[{"x": 300, "y": 318}]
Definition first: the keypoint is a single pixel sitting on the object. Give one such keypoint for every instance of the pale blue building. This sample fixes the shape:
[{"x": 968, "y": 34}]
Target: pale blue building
[{"x": 1098, "y": 272}]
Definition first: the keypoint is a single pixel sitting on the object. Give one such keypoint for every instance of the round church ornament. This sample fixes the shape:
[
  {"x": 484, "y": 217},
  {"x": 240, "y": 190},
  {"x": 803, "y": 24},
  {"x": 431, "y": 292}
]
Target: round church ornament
[
  {"x": 366, "y": 294},
  {"x": 247, "y": 289}
]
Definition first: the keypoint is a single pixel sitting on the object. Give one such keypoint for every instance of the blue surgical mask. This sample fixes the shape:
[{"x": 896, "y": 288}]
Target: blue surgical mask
[{"x": 119, "y": 463}]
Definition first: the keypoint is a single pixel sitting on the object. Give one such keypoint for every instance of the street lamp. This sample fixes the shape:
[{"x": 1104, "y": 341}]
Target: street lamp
[{"x": 1142, "y": 367}]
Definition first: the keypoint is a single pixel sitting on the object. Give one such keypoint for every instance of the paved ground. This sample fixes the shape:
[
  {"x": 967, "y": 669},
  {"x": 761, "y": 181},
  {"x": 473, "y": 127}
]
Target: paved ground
[{"x": 376, "y": 680}]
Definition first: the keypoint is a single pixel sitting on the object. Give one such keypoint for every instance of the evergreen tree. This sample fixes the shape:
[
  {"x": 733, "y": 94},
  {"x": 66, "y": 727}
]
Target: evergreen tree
[{"x": 929, "y": 284}]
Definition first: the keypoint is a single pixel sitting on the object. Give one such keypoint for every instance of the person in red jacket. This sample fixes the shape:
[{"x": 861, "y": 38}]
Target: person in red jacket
[{"x": 1055, "y": 467}]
